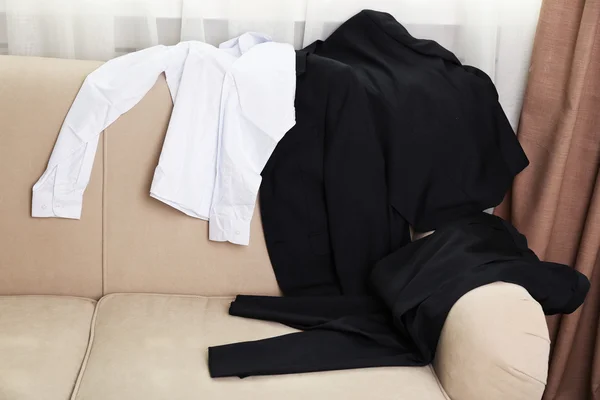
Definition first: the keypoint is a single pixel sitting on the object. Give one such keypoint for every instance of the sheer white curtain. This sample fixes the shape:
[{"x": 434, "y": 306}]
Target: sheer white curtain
[{"x": 494, "y": 35}]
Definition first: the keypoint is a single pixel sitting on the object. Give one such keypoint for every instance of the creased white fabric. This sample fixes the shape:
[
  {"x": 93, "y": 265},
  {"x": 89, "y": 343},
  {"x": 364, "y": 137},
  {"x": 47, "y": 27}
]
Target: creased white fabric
[{"x": 232, "y": 105}]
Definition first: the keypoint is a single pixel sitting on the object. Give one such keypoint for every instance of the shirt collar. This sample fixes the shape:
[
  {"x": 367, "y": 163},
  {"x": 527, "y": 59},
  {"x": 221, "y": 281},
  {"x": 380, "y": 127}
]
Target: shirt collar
[
  {"x": 265, "y": 82},
  {"x": 241, "y": 44}
]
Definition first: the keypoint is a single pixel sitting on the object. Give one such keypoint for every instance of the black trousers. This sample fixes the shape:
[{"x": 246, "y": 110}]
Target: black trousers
[
  {"x": 415, "y": 288},
  {"x": 339, "y": 334}
]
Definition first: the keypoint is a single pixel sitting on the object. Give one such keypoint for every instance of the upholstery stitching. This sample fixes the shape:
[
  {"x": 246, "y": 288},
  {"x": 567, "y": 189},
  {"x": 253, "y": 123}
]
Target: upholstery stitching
[
  {"x": 110, "y": 295},
  {"x": 515, "y": 371},
  {"x": 50, "y": 295},
  {"x": 544, "y": 338},
  {"x": 87, "y": 353},
  {"x": 104, "y": 196},
  {"x": 437, "y": 380}
]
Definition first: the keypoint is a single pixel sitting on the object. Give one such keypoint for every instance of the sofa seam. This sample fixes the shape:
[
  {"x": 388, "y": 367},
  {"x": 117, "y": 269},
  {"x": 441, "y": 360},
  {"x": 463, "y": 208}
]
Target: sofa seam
[
  {"x": 58, "y": 296},
  {"x": 437, "y": 380},
  {"x": 118, "y": 294},
  {"x": 517, "y": 371},
  {"x": 88, "y": 351},
  {"x": 104, "y": 265}
]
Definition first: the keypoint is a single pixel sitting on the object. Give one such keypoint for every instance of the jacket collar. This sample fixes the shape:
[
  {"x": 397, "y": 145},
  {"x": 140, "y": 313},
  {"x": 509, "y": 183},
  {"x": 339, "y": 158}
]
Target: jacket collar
[{"x": 301, "y": 62}]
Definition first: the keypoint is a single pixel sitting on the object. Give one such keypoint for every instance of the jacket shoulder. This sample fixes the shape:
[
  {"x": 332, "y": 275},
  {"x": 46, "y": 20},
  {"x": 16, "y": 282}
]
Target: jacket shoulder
[{"x": 334, "y": 70}]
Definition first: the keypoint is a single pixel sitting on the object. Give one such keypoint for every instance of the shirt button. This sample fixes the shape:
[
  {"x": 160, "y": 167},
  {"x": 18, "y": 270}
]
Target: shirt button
[
  {"x": 237, "y": 232},
  {"x": 57, "y": 205},
  {"x": 43, "y": 206}
]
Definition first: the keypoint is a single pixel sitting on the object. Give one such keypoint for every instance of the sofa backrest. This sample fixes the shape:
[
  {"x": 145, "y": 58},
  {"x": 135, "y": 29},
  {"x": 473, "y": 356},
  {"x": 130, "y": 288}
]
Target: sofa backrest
[{"x": 125, "y": 241}]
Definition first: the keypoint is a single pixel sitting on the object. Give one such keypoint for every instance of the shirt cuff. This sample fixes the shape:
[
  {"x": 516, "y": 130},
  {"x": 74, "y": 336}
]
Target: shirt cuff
[
  {"x": 44, "y": 204},
  {"x": 223, "y": 229}
]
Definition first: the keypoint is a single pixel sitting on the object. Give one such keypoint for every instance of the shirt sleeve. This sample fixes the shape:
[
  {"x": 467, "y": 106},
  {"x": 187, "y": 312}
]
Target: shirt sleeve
[
  {"x": 256, "y": 112},
  {"x": 106, "y": 94}
]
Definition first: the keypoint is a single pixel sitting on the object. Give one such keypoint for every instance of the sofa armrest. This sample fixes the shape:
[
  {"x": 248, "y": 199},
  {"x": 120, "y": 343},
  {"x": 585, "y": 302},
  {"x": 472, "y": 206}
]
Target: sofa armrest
[{"x": 494, "y": 346}]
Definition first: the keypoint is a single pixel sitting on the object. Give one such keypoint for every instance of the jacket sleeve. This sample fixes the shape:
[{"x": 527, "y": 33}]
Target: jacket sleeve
[
  {"x": 355, "y": 185},
  {"x": 106, "y": 93}
]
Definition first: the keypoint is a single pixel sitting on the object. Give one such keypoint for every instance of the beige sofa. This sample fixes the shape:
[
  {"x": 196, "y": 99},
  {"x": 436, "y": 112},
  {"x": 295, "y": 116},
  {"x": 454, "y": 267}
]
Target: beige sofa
[{"x": 122, "y": 304}]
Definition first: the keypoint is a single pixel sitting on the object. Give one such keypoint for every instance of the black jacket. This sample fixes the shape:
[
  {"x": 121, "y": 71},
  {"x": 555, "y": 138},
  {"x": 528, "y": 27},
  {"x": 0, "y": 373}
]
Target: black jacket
[
  {"x": 428, "y": 143},
  {"x": 323, "y": 195},
  {"x": 449, "y": 149}
]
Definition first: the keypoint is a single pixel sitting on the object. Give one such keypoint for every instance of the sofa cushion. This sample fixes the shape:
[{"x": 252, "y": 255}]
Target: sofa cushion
[
  {"x": 153, "y": 347},
  {"x": 43, "y": 341}
]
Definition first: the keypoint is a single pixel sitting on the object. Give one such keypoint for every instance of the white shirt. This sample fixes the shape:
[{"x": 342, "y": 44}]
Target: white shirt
[{"x": 231, "y": 106}]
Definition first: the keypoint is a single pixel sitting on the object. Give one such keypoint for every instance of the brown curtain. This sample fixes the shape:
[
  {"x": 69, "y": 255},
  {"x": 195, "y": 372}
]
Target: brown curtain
[{"x": 555, "y": 201}]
